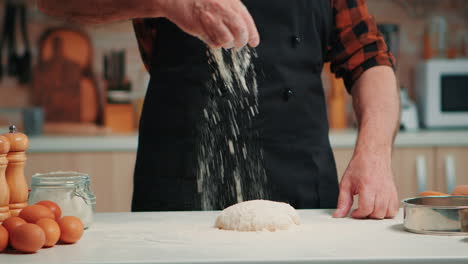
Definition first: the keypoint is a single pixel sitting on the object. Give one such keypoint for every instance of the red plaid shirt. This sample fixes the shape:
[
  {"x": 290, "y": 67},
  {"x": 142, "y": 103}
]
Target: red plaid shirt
[{"x": 356, "y": 46}]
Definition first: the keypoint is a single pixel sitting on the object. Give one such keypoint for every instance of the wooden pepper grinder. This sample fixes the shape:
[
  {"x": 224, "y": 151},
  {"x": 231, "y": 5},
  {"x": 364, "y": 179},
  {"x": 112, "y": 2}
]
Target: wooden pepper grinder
[
  {"x": 4, "y": 190},
  {"x": 19, "y": 143}
]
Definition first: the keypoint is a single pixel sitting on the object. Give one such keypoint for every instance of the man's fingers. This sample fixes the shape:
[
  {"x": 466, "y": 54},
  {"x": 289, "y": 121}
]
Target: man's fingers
[
  {"x": 381, "y": 204},
  {"x": 366, "y": 205},
  {"x": 238, "y": 29},
  {"x": 218, "y": 34},
  {"x": 229, "y": 41},
  {"x": 254, "y": 38},
  {"x": 393, "y": 208},
  {"x": 223, "y": 25},
  {"x": 345, "y": 201},
  {"x": 226, "y": 40},
  {"x": 390, "y": 210}
]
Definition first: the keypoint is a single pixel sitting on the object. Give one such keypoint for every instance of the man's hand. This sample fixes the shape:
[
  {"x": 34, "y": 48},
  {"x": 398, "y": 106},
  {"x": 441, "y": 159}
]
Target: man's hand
[
  {"x": 219, "y": 23},
  {"x": 369, "y": 174},
  {"x": 371, "y": 177}
]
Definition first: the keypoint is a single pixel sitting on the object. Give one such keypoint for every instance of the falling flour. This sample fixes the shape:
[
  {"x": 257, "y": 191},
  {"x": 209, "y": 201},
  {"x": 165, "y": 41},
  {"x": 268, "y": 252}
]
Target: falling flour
[{"x": 230, "y": 160}]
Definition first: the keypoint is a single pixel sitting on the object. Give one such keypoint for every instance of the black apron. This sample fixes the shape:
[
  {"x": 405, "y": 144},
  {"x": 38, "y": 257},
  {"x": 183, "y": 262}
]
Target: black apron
[{"x": 292, "y": 124}]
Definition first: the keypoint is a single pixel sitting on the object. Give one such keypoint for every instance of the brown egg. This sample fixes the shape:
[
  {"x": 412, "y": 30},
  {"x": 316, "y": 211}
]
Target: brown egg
[
  {"x": 34, "y": 213},
  {"x": 51, "y": 230},
  {"x": 13, "y": 222},
  {"x": 71, "y": 229},
  {"x": 27, "y": 238},
  {"x": 432, "y": 193},
  {"x": 460, "y": 190},
  {"x": 55, "y": 208},
  {"x": 3, "y": 238}
]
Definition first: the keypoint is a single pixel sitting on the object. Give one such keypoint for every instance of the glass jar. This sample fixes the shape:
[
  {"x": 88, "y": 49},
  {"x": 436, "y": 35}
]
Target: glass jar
[{"x": 70, "y": 190}]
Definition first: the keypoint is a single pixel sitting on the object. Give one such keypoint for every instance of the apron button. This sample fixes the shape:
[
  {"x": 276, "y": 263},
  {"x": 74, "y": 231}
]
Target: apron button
[
  {"x": 287, "y": 94},
  {"x": 296, "y": 40}
]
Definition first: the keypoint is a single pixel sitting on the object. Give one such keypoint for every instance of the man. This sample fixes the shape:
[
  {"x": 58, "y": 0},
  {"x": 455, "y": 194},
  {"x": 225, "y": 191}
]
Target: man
[{"x": 293, "y": 40}]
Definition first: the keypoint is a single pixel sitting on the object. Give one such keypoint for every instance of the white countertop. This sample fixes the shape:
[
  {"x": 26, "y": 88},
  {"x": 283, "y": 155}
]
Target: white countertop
[
  {"x": 107, "y": 143},
  {"x": 189, "y": 237},
  {"x": 339, "y": 139}
]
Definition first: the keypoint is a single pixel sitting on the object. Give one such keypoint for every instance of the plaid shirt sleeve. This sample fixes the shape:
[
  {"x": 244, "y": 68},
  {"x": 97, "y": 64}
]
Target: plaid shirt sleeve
[{"x": 356, "y": 44}]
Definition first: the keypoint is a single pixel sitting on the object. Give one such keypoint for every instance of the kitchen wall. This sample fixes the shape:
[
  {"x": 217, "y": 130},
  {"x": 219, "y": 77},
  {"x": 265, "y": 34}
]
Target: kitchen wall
[
  {"x": 411, "y": 16},
  {"x": 104, "y": 38},
  {"x": 120, "y": 35}
]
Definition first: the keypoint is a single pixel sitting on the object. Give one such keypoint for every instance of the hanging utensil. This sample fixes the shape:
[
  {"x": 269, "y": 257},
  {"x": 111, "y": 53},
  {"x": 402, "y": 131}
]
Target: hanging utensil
[
  {"x": 24, "y": 73},
  {"x": 106, "y": 67},
  {"x": 13, "y": 61},
  {"x": 3, "y": 38},
  {"x": 7, "y": 25},
  {"x": 121, "y": 68}
]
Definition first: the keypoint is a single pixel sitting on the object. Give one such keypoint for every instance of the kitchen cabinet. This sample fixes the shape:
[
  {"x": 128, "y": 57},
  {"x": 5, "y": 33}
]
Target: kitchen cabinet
[
  {"x": 422, "y": 160},
  {"x": 111, "y": 174},
  {"x": 417, "y": 169},
  {"x": 342, "y": 158},
  {"x": 451, "y": 168},
  {"x": 414, "y": 170},
  {"x": 412, "y": 167}
]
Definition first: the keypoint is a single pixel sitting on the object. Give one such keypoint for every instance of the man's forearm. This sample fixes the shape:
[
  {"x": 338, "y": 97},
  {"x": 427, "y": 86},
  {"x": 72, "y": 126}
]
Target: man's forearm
[
  {"x": 101, "y": 11},
  {"x": 376, "y": 102}
]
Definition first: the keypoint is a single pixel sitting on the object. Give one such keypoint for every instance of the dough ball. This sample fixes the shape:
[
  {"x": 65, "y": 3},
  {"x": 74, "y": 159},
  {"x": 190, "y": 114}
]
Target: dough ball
[{"x": 258, "y": 215}]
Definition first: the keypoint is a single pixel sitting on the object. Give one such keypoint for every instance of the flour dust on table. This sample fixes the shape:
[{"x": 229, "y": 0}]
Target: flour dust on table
[
  {"x": 230, "y": 161},
  {"x": 258, "y": 215}
]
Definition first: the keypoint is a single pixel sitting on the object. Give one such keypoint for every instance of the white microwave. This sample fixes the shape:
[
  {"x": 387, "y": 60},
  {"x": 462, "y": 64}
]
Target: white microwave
[{"x": 442, "y": 93}]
